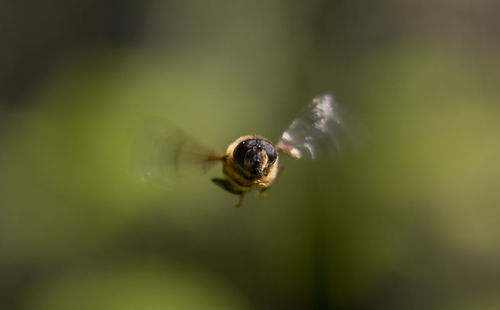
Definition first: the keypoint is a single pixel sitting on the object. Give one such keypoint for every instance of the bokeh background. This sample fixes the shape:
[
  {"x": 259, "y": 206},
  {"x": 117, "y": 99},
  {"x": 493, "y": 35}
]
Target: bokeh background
[{"x": 409, "y": 220}]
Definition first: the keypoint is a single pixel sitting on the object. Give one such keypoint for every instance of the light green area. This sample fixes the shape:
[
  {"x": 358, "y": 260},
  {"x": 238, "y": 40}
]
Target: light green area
[{"x": 140, "y": 285}]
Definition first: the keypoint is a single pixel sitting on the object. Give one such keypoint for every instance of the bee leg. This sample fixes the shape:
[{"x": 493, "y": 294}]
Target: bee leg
[
  {"x": 260, "y": 193},
  {"x": 226, "y": 185},
  {"x": 242, "y": 195}
]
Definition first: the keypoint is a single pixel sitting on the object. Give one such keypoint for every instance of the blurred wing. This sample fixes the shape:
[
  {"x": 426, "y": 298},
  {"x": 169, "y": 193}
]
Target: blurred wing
[
  {"x": 162, "y": 151},
  {"x": 320, "y": 130}
]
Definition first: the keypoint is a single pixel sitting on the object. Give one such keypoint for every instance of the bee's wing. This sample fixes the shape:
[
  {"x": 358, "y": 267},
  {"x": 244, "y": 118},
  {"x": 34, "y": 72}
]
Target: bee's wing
[
  {"x": 162, "y": 150},
  {"x": 320, "y": 130}
]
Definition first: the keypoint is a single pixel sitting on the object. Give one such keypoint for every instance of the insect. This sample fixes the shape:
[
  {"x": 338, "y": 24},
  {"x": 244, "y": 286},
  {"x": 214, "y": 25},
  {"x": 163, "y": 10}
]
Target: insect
[{"x": 252, "y": 162}]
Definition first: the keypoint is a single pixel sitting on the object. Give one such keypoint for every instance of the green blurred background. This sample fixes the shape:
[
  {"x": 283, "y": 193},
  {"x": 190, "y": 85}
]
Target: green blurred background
[{"x": 407, "y": 221}]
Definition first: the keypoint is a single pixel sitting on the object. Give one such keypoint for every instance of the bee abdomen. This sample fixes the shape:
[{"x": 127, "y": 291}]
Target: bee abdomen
[{"x": 238, "y": 175}]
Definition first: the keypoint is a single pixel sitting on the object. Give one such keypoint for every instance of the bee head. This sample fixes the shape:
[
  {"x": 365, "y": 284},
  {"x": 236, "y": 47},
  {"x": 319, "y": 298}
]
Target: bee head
[{"x": 255, "y": 155}]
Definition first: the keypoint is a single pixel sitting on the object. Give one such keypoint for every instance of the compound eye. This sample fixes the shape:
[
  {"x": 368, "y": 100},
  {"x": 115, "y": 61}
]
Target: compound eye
[
  {"x": 270, "y": 150},
  {"x": 241, "y": 150}
]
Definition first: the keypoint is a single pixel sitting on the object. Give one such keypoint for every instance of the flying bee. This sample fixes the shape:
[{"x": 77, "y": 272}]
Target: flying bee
[{"x": 250, "y": 162}]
